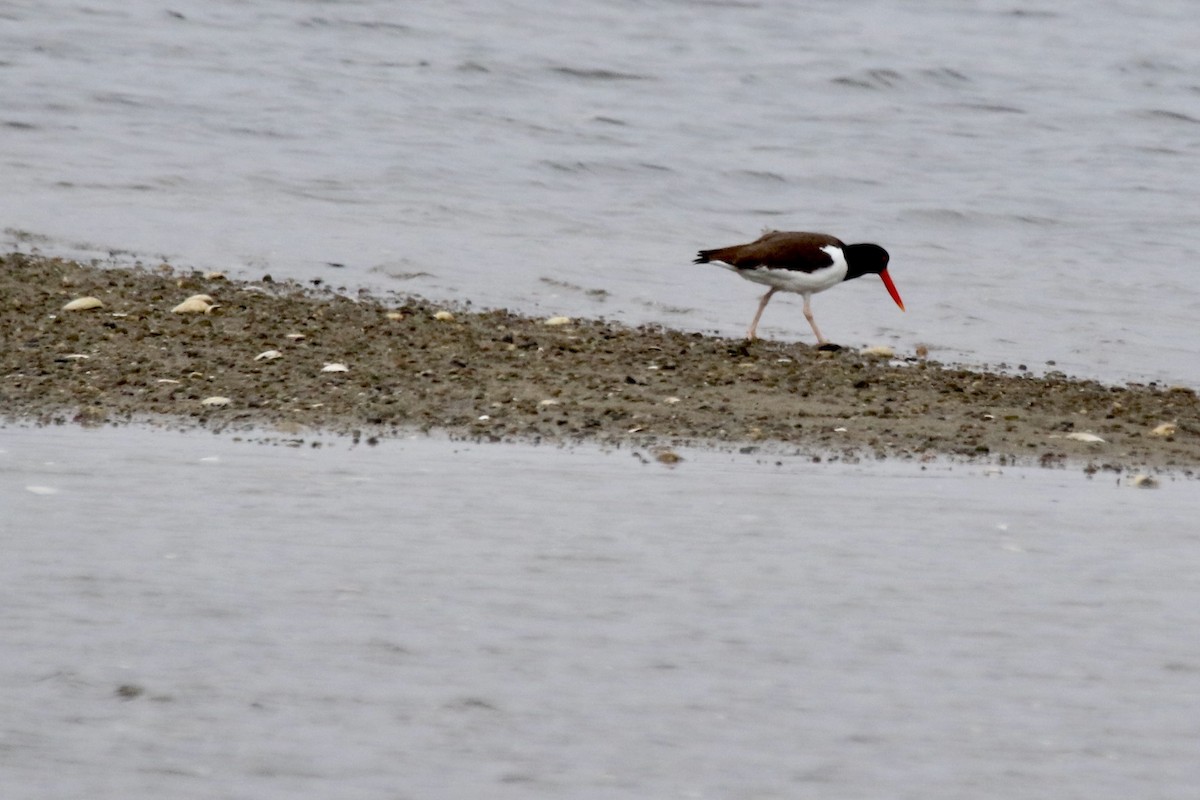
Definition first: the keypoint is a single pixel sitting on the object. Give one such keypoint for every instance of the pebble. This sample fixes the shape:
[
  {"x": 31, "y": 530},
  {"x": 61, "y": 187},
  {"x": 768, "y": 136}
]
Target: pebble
[
  {"x": 1084, "y": 437},
  {"x": 444, "y": 316},
  {"x": 335, "y": 367},
  {"x": 880, "y": 350},
  {"x": 215, "y": 400},
  {"x": 83, "y": 304},
  {"x": 552, "y": 321},
  {"x": 1165, "y": 429},
  {"x": 268, "y": 355},
  {"x": 295, "y": 337}
]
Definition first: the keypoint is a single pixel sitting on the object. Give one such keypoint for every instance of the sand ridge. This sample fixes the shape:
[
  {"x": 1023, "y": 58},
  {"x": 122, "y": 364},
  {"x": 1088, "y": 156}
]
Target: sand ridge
[{"x": 495, "y": 375}]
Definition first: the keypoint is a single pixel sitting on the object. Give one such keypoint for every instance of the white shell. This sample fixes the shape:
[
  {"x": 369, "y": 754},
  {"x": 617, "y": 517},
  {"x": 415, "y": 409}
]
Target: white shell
[
  {"x": 83, "y": 304},
  {"x": 1165, "y": 429},
  {"x": 394, "y": 315},
  {"x": 549, "y": 401},
  {"x": 557, "y": 321},
  {"x": 295, "y": 337},
  {"x": 215, "y": 400},
  {"x": 76, "y": 356},
  {"x": 335, "y": 367},
  {"x": 881, "y": 350},
  {"x": 268, "y": 355},
  {"x": 214, "y": 276},
  {"x": 444, "y": 316},
  {"x": 1084, "y": 437},
  {"x": 671, "y": 400},
  {"x": 196, "y": 304}
]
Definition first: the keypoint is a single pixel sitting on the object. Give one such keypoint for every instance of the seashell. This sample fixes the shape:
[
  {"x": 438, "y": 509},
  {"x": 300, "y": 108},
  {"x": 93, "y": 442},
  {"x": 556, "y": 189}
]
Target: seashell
[
  {"x": 840, "y": 430},
  {"x": 167, "y": 380},
  {"x": 1165, "y": 429},
  {"x": 444, "y": 316},
  {"x": 549, "y": 401},
  {"x": 83, "y": 304},
  {"x": 554, "y": 321},
  {"x": 215, "y": 400},
  {"x": 1084, "y": 437},
  {"x": 394, "y": 315},
  {"x": 295, "y": 337},
  {"x": 75, "y": 356},
  {"x": 214, "y": 276},
  {"x": 196, "y": 304},
  {"x": 880, "y": 350},
  {"x": 268, "y": 355},
  {"x": 671, "y": 400},
  {"x": 335, "y": 367},
  {"x": 1143, "y": 481}
]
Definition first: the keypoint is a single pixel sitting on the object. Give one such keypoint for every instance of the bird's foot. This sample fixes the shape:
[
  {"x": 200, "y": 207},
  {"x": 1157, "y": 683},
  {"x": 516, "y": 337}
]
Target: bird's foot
[{"x": 829, "y": 347}]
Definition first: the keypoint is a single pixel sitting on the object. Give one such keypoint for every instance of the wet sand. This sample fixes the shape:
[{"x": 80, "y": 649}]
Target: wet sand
[{"x": 495, "y": 375}]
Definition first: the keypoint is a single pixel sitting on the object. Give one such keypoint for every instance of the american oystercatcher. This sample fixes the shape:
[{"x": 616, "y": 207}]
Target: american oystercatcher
[{"x": 805, "y": 263}]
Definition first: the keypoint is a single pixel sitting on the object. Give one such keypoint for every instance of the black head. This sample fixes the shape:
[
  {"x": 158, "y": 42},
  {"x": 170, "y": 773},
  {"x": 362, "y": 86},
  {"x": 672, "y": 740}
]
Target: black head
[{"x": 865, "y": 259}]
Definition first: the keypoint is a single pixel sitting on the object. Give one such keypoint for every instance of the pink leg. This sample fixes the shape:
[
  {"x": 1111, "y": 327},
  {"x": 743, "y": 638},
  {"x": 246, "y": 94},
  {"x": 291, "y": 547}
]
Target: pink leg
[
  {"x": 808, "y": 315},
  {"x": 758, "y": 314}
]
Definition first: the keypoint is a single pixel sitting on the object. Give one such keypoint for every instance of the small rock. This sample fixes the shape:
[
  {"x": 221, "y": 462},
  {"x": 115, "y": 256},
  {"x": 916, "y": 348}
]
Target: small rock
[
  {"x": 444, "y": 316},
  {"x": 268, "y": 355},
  {"x": 879, "y": 350},
  {"x": 335, "y": 367},
  {"x": 215, "y": 400},
  {"x": 668, "y": 457},
  {"x": 553, "y": 321},
  {"x": 1091, "y": 438},
  {"x": 1143, "y": 481},
  {"x": 1165, "y": 429}
]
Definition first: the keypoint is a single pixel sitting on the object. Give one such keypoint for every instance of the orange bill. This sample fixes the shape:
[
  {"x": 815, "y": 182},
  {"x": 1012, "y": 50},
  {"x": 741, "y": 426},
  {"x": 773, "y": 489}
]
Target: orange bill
[{"x": 891, "y": 287}]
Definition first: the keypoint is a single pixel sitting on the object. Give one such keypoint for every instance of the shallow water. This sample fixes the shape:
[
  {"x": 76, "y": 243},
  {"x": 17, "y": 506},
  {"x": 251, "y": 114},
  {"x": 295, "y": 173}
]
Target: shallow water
[
  {"x": 1030, "y": 166},
  {"x": 431, "y": 619}
]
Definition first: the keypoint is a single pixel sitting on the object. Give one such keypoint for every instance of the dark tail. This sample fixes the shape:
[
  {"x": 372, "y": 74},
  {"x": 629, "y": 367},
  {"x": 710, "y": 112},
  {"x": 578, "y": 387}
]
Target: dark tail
[{"x": 704, "y": 256}]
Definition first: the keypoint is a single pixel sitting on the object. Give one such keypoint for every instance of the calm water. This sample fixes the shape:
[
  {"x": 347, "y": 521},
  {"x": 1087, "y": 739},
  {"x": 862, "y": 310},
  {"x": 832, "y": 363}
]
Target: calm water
[
  {"x": 1031, "y": 166},
  {"x": 431, "y": 620}
]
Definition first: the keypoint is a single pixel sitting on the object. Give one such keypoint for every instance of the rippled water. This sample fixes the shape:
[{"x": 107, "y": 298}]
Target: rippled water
[
  {"x": 1031, "y": 167},
  {"x": 189, "y": 616},
  {"x": 425, "y": 619}
]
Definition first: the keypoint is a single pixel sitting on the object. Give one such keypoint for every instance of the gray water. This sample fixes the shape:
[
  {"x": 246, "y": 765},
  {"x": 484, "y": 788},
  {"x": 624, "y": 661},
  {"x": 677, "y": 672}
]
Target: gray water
[
  {"x": 1032, "y": 167},
  {"x": 426, "y": 619}
]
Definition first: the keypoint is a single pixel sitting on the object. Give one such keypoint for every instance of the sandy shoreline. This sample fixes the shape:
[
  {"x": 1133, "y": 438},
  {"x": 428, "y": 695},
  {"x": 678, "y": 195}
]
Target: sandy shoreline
[{"x": 499, "y": 376}]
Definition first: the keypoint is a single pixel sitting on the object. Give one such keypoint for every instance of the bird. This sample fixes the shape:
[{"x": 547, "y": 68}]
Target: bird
[{"x": 805, "y": 263}]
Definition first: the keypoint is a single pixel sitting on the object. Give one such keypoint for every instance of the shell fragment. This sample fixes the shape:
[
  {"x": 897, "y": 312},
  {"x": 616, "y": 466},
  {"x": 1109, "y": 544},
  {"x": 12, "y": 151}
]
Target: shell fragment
[
  {"x": 83, "y": 304},
  {"x": 335, "y": 367},
  {"x": 196, "y": 304}
]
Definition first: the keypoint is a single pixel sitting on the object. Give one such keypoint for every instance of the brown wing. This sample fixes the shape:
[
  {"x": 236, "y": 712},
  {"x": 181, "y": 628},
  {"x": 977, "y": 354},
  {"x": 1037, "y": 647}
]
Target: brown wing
[{"x": 777, "y": 250}]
